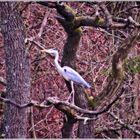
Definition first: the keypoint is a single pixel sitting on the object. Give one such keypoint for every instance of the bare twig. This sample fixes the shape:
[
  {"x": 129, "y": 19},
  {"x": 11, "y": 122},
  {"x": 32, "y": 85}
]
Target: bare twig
[
  {"x": 32, "y": 122},
  {"x": 41, "y": 29},
  {"x": 38, "y": 45},
  {"x": 43, "y": 24},
  {"x": 127, "y": 21},
  {"x": 133, "y": 22},
  {"x": 85, "y": 119},
  {"x": 127, "y": 126},
  {"x": 32, "y": 39},
  {"x": 33, "y": 126},
  {"x": 47, "y": 4},
  {"x": 115, "y": 36},
  {"x": 2, "y": 81},
  {"x": 107, "y": 14},
  {"x": 107, "y": 129},
  {"x": 32, "y": 103}
]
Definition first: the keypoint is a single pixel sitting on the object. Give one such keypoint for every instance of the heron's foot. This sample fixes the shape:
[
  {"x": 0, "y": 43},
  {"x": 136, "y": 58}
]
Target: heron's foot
[{"x": 69, "y": 98}]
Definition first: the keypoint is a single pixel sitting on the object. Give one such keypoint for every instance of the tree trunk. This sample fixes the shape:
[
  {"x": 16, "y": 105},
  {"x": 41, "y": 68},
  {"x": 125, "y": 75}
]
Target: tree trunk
[
  {"x": 69, "y": 59},
  {"x": 84, "y": 130},
  {"x": 17, "y": 71}
]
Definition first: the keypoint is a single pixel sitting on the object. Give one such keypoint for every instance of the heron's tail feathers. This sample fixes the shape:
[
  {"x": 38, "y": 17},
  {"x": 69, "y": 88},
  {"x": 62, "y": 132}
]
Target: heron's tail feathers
[{"x": 87, "y": 85}]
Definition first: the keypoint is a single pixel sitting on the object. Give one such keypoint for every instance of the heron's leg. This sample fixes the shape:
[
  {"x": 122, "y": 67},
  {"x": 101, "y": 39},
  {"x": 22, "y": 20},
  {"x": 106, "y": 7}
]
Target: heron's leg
[{"x": 72, "y": 92}]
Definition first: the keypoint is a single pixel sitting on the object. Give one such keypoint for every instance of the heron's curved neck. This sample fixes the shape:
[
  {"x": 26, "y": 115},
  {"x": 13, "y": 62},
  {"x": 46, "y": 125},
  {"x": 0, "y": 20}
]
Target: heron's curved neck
[{"x": 57, "y": 64}]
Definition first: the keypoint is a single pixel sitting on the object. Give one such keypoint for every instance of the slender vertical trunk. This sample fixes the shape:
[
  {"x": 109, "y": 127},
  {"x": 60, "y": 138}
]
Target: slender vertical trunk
[
  {"x": 17, "y": 71},
  {"x": 69, "y": 58}
]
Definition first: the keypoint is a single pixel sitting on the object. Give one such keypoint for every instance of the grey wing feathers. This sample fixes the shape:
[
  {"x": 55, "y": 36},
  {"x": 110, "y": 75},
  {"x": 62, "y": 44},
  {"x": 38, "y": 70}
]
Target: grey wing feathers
[{"x": 71, "y": 74}]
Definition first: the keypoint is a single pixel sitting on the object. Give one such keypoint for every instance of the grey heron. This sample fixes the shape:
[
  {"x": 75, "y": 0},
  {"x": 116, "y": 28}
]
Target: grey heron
[{"x": 68, "y": 73}]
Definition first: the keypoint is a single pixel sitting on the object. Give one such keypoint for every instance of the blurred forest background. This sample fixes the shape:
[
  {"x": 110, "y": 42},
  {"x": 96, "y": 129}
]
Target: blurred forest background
[{"x": 107, "y": 55}]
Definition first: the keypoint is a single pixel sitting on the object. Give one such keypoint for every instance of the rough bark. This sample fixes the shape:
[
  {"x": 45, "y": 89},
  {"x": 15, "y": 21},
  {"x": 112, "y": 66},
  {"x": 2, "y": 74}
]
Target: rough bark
[
  {"x": 17, "y": 71},
  {"x": 67, "y": 127}
]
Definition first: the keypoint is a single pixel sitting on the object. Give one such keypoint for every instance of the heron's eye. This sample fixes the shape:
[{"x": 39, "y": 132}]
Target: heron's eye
[{"x": 65, "y": 70}]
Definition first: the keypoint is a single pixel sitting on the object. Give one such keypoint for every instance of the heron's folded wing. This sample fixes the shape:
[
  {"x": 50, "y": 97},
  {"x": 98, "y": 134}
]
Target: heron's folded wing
[{"x": 71, "y": 74}]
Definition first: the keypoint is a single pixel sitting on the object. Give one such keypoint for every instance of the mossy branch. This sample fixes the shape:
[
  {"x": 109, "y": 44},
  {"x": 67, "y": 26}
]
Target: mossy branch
[{"x": 116, "y": 77}]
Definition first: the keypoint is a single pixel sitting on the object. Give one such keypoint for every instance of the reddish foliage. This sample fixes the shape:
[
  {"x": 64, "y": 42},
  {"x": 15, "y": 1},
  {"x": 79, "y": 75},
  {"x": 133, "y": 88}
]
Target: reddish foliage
[{"x": 93, "y": 63}]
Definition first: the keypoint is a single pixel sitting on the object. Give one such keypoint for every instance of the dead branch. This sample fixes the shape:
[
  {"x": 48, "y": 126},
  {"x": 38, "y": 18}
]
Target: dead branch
[
  {"x": 62, "y": 105},
  {"x": 32, "y": 103},
  {"x": 47, "y": 4},
  {"x": 109, "y": 19},
  {"x": 127, "y": 126},
  {"x": 43, "y": 24},
  {"x": 32, "y": 123},
  {"x": 107, "y": 14},
  {"x": 85, "y": 119},
  {"x": 40, "y": 30},
  {"x": 102, "y": 130},
  {"x": 65, "y": 107},
  {"x": 21, "y": 6},
  {"x": 38, "y": 45}
]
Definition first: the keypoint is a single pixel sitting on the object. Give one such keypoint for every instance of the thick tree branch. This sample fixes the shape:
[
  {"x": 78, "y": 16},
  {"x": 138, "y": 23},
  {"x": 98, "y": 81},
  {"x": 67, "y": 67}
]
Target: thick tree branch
[
  {"x": 91, "y": 21},
  {"x": 116, "y": 77},
  {"x": 62, "y": 105},
  {"x": 32, "y": 103},
  {"x": 110, "y": 22}
]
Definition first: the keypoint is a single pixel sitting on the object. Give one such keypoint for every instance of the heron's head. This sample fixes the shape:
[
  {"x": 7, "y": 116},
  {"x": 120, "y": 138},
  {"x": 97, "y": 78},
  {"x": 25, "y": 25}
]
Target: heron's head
[{"x": 52, "y": 51}]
